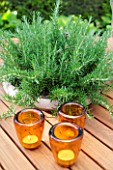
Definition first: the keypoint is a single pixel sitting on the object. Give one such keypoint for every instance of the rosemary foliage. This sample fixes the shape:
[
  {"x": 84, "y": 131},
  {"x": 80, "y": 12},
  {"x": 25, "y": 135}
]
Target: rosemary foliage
[{"x": 65, "y": 63}]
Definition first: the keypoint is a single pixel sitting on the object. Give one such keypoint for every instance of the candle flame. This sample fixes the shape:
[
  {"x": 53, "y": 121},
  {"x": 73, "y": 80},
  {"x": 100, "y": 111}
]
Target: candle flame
[{"x": 29, "y": 137}]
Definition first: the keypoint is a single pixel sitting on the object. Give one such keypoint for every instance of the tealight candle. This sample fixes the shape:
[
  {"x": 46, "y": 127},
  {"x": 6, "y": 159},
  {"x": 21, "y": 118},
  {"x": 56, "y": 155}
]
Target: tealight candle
[
  {"x": 30, "y": 139},
  {"x": 65, "y": 140},
  {"x": 29, "y": 125},
  {"x": 66, "y": 155}
]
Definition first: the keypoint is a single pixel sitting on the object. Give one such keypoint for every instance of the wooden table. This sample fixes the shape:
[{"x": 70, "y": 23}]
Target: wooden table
[{"x": 96, "y": 152}]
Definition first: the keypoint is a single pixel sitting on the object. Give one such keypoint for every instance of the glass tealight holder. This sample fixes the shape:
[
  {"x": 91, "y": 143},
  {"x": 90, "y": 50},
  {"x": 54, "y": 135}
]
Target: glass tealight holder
[
  {"x": 65, "y": 140},
  {"x": 29, "y": 125},
  {"x": 72, "y": 112}
]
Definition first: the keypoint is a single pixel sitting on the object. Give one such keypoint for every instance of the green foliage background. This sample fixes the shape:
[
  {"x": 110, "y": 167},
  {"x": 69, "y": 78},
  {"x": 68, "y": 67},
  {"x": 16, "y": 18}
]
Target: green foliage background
[
  {"x": 95, "y": 8},
  {"x": 100, "y": 10}
]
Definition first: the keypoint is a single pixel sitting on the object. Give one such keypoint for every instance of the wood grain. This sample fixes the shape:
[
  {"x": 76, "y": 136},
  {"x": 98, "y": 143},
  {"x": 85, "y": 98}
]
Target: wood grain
[
  {"x": 100, "y": 131},
  {"x": 1, "y": 167},
  {"x": 97, "y": 145},
  {"x": 8, "y": 153},
  {"x": 109, "y": 94},
  {"x": 40, "y": 157},
  {"x": 85, "y": 163},
  {"x": 43, "y": 150},
  {"x": 102, "y": 115},
  {"x": 96, "y": 149},
  {"x": 99, "y": 152}
]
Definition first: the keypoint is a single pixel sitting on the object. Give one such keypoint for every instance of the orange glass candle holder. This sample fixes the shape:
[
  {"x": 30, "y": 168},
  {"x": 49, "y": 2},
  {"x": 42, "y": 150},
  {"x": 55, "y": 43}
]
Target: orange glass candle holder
[
  {"x": 29, "y": 125},
  {"x": 72, "y": 112},
  {"x": 65, "y": 140}
]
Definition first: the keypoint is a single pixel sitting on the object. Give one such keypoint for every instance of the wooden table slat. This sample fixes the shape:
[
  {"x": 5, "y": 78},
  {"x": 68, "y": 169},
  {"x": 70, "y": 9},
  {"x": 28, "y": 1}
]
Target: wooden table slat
[
  {"x": 110, "y": 101},
  {"x": 1, "y": 167},
  {"x": 96, "y": 128},
  {"x": 100, "y": 131},
  {"x": 97, "y": 145},
  {"x": 8, "y": 153},
  {"x": 9, "y": 127},
  {"x": 102, "y": 115},
  {"x": 85, "y": 163},
  {"x": 99, "y": 152},
  {"x": 40, "y": 156},
  {"x": 36, "y": 155},
  {"x": 91, "y": 145},
  {"x": 83, "y": 159},
  {"x": 109, "y": 94}
]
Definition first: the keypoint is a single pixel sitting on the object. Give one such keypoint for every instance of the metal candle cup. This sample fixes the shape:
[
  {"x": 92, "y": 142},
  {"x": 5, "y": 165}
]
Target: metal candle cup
[
  {"x": 65, "y": 140},
  {"x": 29, "y": 125},
  {"x": 72, "y": 112}
]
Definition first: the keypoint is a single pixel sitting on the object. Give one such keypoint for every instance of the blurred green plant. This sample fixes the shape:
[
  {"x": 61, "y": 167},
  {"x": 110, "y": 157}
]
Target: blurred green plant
[
  {"x": 99, "y": 10},
  {"x": 26, "y": 7},
  {"x": 8, "y": 20},
  {"x": 104, "y": 23},
  {"x": 4, "y": 6},
  {"x": 12, "y": 12},
  {"x": 63, "y": 20}
]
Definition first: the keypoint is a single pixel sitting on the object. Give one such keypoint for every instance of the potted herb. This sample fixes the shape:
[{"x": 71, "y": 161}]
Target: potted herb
[{"x": 64, "y": 64}]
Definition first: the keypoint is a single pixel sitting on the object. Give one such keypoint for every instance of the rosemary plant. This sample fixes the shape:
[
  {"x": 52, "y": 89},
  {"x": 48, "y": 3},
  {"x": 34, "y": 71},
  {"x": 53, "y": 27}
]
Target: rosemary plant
[{"x": 67, "y": 64}]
